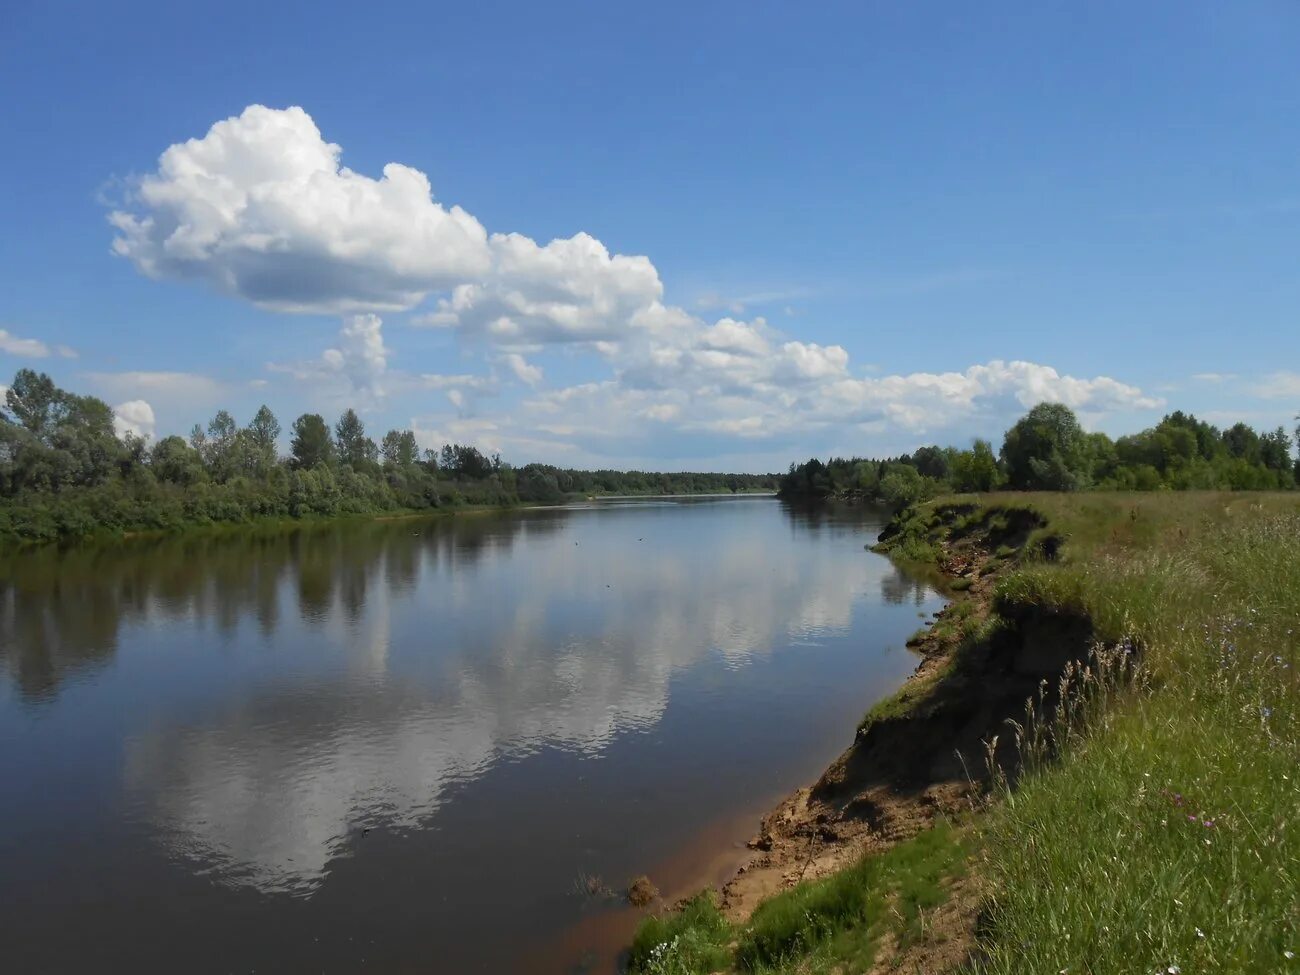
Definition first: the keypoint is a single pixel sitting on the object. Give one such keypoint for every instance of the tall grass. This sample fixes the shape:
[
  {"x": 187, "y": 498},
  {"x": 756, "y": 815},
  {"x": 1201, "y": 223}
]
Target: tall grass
[{"x": 1166, "y": 837}]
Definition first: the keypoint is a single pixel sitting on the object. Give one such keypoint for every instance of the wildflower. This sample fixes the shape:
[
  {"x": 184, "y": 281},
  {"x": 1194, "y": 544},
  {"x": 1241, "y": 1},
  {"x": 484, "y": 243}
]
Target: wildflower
[
  {"x": 1288, "y": 955},
  {"x": 1200, "y": 933}
]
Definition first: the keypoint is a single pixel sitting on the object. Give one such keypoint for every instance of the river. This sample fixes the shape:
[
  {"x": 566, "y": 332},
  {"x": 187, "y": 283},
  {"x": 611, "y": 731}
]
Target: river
[{"x": 419, "y": 745}]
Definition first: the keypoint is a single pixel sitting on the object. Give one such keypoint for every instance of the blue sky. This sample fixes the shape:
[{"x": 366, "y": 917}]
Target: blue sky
[{"x": 853, "y": 230}]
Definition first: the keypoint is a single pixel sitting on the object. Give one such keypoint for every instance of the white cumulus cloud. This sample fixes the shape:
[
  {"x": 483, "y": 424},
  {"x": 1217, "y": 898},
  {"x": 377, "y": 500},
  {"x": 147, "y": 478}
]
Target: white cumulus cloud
[
  {"x": 261, "y": 208},
  {"x": 570, "y": 290},
  {"x": 135, "y": 416}
]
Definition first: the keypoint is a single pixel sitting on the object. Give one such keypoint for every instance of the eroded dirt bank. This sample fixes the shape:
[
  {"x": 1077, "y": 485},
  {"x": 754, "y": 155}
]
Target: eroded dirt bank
[{"x": 922, "y": 754}]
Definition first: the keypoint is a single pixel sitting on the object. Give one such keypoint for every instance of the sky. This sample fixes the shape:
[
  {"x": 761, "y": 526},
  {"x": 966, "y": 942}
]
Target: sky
[{"x": 718, "y": 236}]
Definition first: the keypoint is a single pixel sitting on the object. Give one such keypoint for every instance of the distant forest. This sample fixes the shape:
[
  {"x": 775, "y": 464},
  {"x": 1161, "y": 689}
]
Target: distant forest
[
  {"x": 66, "y": 473},
  {"x": 1047, "y": 450}
]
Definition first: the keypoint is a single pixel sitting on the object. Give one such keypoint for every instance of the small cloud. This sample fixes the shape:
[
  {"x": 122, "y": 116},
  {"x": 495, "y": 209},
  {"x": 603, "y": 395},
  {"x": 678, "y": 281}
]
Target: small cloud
[
  {"x": 357, "y": 365},
  {"x": 736, "y": 304},
  {"x": 65, "y": 351},
  {"x": 1214, "y": 377},
  {"x": 1280, "y": 385},
  {"x": 28, "y": 348},
  {"x": 523, "y": 370}
]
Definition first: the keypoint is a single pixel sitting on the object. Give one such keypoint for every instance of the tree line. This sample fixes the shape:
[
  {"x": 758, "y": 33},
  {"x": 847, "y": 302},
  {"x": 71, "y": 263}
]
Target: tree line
[
  {"x": 1048, "y": 450},
  {"x": 65, "y": 472}
]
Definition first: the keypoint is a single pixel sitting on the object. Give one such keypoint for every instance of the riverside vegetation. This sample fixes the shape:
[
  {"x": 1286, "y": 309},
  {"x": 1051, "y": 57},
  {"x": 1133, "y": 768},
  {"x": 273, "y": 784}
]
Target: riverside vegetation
[
  {"x": 1139, "y": 812},
  {"x": 66, "y": 472},
  {"x": 1047, "y": 450}
]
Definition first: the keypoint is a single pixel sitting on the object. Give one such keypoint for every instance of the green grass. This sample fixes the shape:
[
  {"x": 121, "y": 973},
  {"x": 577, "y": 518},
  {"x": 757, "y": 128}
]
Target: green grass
[
  {"x": 693, "y": 939},
  {"x": 1102, "y": 860},
  {"x": 816, "y": 926}
]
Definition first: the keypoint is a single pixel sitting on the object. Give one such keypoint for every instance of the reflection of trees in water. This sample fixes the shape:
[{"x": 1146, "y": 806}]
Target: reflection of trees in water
[
  {"x": 897, "y": 587},
  {"x": 818, "y": 515},
  {"x": 61, "y": 610},
  {"x": 45, "y": 637},
  {"x": 900, "y": 587}
]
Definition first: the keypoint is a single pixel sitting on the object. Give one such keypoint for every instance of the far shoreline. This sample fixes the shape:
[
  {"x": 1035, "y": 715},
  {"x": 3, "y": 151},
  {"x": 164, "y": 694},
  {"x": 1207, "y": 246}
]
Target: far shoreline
[{"x": 277, "y": 523}]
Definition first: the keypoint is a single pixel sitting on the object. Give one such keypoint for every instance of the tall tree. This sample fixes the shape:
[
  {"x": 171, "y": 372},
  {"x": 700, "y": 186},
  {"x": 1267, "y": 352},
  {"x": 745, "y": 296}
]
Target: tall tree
[
  {"x": 354, "y": 446},
  {"x": 264, "y": 429},
  {"x": 1044, "y": 450},
  {"x": 220, "y": 448},
  {"x": 257, "y": 449},
  {"x": 311, "y": 445},
  {"x": 399, "y": 448},
  {"x": 34, "y": 401},
  {"x": 976, "y": 469},
  {"x": 1275, "y": 450},
  {"x": 931, "y": 462},
  {"x": 1242, "y": 441}
]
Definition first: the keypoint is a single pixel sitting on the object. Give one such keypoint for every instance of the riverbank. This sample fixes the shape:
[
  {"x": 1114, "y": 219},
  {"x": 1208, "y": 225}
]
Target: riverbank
[
  {"x": 277, "y": 523},
  {"x": 1185, "y": 611},
  {"x": 269, "y": 524}
]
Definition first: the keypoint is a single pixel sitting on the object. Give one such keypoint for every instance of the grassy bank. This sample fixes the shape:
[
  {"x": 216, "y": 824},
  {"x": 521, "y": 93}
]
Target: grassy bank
[
  {"x": 1154, "y": 820},
  {"x": 17, "y": 532},
  {"x": 249, "y": 525}
]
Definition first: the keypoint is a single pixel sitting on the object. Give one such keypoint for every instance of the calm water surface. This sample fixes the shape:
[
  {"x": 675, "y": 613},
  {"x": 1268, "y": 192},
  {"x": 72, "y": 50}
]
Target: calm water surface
[{"x": 397, "y": 746}]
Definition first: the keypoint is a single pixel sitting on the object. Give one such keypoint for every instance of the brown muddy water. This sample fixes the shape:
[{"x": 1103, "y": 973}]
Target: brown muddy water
[{"x": 405, "y": 746}]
